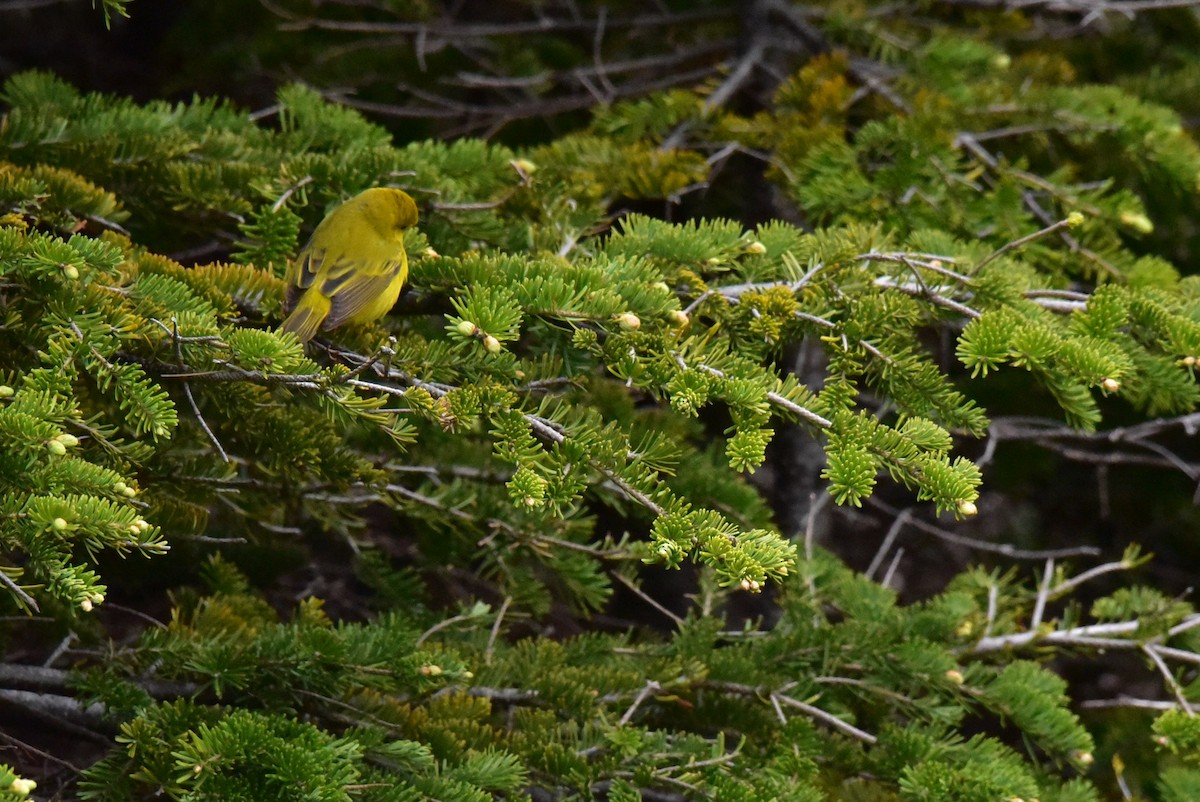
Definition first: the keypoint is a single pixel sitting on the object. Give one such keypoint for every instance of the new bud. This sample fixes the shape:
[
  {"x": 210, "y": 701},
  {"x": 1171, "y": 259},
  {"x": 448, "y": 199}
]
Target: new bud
[
  {"x": 1137, "y": 221},
  {"x": 22, "y": 786}
]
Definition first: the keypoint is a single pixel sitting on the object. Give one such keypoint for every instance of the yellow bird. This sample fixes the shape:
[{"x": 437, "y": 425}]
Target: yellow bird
[{"x": 353, "y": 267}]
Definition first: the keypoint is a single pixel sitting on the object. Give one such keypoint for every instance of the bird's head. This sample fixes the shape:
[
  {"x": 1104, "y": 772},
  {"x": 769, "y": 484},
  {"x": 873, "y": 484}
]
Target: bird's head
[{"x": 388, "y": 209}]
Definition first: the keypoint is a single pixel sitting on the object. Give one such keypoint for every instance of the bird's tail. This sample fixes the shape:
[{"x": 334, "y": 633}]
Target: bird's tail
[{"x": 308, "y": 316}]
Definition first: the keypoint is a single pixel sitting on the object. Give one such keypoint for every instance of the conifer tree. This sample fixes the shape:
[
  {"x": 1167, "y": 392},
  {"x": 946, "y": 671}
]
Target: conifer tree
[{"x": 568, "y": 411}]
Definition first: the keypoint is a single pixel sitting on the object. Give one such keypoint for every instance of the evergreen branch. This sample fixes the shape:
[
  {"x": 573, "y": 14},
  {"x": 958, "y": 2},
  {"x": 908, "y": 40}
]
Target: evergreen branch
[
  {"x": 1003, "y": 549},
  {"x": 651, "y": 687},
  {"x": 1048, "y": 299},
  {"x": 1013, "y": 245},
  {"x": 544, "y": 428},
  {"x": 510, "y": 696},
  {"x": 813, "y": 711},
  {"x": 892, "y": 568},
  {"x": 627, "y": 489},
  {"x": 445, "y": 623},
  {"x": 1039, "y": 604},
  {"x": 1091, "y": 10},
  {"x": 1189, "y": 623},
  {"x": 187, "y": 388},
  {"x": 18, "y": 744},
  {"x": 888, "y": 539},
  {"x": 1169, "y": 678},
  {"x": 1054, "y": 436},
  {"x": 64, "y": 713},
  {"x": 1117, "y": 636},
  {"x": 1069, "y": 585},
  {"x": 919, "y": 290},
  {"x": 968, "y": 142},
  {"x": 291, "y": 190},
  {"x": 1092, "y": 635},
  {"x": 490, "y": 649},
  {"x": 308, "y": 381},
  {"x": 779, "y": 696},
  {"x": 1128, "y": 701},
  {"x": 16, "y": 590},
  {"x": 660, "y": 63},
  {"x": 772, "y": 396},
  {"x": 646, "y": 597},
  {"x": 915, "y": 261},
  {"x": 490, "y": 118},
  {"x": 456, "y": 31}
]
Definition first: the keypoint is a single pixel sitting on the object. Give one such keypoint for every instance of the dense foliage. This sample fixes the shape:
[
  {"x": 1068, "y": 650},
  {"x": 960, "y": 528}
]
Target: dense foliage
[{"x": 928, "y": 252}]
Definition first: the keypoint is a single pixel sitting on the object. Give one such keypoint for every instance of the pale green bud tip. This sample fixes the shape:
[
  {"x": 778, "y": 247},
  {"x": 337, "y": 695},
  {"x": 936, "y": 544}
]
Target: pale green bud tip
[
  {"x": 56, "y": 447},
  {"x": 680, "y": 318},
  {"x": 59, "y": 524},
  {"x": 6, "y": 391},
  {"x": 68, "y": 440},
  {"x": 1110, "y": 385},
  {"x": 466, "y": 328},
  {"x": 629, "y": 321},
  {"x": 430, "y": 671},
  {"x": 955, "y": 676},
  {"x": 523, "y": 166},
  {"x": 661, "y": 285},
  {"x": 86, "y": 605},
  {"x": 1137, "y": 221},
  {"x": 430, "y": 253},
  {"x": 1075, "y": 219},
  {"x": 967, "y": 508},
  {"x": 129, "y": 492},
  {"x": 119, "y": 487},
  {"x": 1189, "y": 361},
  {"x": 1084, "y": 758},
  {"x": 491, "y": 344},
  {"x": 71, "y": 272},
  {"x": 756, "y": 248},
  {"x": 1002, "y": 61},
  {"x": 22, "y": 786}
]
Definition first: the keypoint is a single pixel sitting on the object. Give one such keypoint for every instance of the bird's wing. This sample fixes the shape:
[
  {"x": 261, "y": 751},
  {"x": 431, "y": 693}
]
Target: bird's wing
[
  {"x": 301, "y": 273},
  {"x": 350, "y": 286}
]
